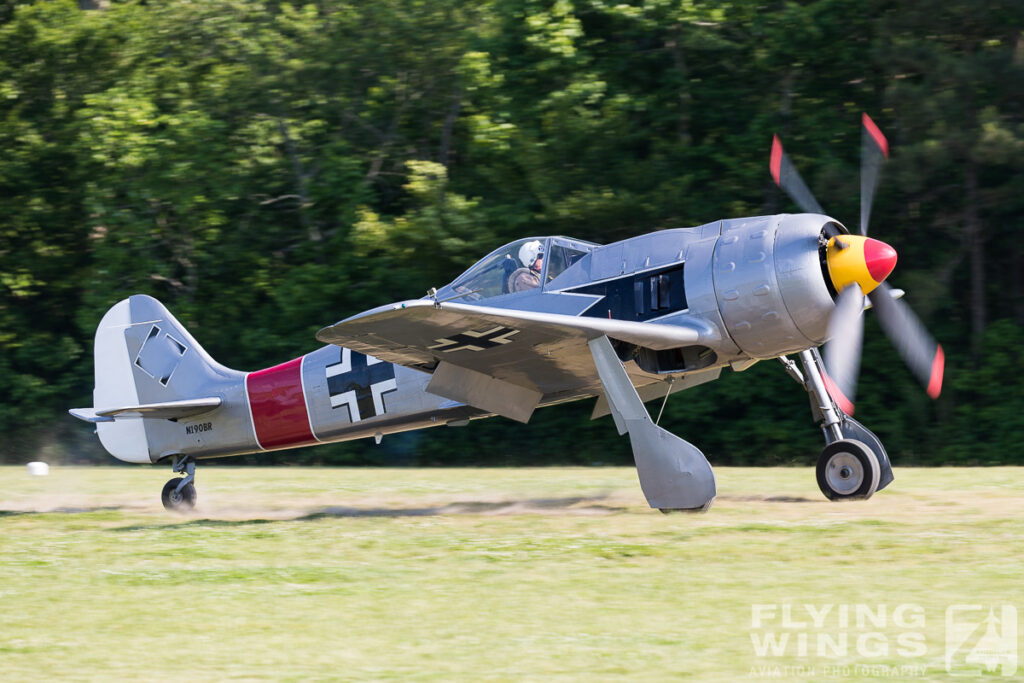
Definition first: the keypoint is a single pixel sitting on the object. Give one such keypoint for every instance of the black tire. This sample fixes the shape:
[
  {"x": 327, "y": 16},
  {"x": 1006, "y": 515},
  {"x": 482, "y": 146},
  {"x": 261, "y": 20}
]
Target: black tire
[
  {"x": 670, "y": 511},
  {"x": 848, "y": 470},
  {"x": 178, "y": 501}
]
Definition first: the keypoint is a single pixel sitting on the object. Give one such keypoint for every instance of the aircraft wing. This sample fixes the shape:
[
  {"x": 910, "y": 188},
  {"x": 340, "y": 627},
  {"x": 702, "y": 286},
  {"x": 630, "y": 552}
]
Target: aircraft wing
[{"x": 498, "y": 359}]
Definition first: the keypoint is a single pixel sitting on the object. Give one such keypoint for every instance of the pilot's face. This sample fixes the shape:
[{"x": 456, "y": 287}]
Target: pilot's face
[{"x": 538, "y": 265}]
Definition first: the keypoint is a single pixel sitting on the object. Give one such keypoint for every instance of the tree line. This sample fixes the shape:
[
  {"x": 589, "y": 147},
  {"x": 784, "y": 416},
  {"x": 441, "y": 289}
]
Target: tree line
[{"x": 266, "y": 169}]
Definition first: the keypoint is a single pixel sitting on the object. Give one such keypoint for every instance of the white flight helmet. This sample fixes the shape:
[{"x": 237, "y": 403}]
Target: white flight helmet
[{"x": 529, "y": 252}]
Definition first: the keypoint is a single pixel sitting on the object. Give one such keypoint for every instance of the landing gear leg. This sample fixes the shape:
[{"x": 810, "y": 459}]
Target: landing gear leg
[
  {"x": 674, "y": 474},
  {"x": 179, "y": 493},
  {"x": 852, "y": 452}
]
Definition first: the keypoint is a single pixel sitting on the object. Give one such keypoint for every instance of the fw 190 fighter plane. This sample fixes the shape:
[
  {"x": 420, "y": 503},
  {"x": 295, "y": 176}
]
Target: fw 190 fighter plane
[{"x": 537, "y": 322}]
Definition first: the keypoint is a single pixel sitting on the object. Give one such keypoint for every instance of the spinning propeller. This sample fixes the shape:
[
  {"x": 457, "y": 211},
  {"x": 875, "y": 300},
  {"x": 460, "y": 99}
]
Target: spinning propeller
[{"x": 858, "y": 266}]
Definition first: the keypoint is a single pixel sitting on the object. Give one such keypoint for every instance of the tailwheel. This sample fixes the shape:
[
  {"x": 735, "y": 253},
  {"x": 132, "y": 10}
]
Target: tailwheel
[
  {"x": 177, "y": 499},
  {"x": 848, "y": 470}
]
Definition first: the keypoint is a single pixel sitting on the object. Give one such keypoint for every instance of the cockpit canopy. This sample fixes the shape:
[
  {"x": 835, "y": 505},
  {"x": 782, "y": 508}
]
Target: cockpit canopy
[{"x": 492, "y": 275}]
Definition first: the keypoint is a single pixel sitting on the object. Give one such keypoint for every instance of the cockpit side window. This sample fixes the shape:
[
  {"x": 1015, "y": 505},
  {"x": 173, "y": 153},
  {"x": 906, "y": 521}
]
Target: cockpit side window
[
  {"x": 487, "y": 281},
  {"x": 489, "y": 277},
  {"x": 560, "y": 258}
]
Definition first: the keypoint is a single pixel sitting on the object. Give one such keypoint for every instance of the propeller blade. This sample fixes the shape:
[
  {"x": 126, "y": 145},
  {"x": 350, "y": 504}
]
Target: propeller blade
[
  {"x": 842, "y": 352},
  {"x": 922, "y": 354},
  {"x": 786, "y": 177},
  {"x": 874, "y": 149}
]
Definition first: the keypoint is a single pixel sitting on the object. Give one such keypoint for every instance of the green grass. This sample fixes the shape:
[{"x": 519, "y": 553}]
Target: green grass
[{"x": 484, "y": 574}]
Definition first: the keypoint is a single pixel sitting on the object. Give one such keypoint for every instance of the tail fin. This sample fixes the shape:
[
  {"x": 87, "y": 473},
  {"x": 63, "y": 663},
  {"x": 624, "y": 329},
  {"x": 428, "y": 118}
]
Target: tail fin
[{"x": 148, "y": 365}]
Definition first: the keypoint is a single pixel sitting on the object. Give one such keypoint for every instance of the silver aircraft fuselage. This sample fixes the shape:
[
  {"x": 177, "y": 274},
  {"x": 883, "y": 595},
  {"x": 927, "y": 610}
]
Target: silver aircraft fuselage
[{"x": 754, "y": 288}]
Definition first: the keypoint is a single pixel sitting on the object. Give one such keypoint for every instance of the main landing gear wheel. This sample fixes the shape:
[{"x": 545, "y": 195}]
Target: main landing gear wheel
[
  {"x": 672, "y": 511},
  {"x": 176, "y": 500},
  {"x": 848, "y": 470}
]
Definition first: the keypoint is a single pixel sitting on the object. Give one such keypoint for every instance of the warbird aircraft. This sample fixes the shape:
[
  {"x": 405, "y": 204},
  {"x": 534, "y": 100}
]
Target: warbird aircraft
[{"x": 541, "y": 321}]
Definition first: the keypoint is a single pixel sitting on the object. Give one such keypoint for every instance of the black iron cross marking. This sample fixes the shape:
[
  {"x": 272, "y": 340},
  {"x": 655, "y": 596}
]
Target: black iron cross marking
[
  {"x": 359, "y": 383},
  {"x": 475, "y": 341}
]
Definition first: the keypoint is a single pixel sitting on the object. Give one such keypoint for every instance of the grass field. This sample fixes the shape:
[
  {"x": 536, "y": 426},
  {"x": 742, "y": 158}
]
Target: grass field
[{"x": 498, "y": 574}]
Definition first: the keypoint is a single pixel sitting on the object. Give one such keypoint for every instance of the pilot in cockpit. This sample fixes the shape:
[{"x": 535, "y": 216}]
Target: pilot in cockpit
[{"x": 531, "y": 255}]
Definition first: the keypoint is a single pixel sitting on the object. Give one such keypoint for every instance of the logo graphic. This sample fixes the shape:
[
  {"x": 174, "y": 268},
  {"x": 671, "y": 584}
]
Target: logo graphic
[
  {"x": 359, "y": 383},
  {"x": 160, "y": 355},
  {"x": 980, "y": 640},
  {"x": 475, "y": 341}
]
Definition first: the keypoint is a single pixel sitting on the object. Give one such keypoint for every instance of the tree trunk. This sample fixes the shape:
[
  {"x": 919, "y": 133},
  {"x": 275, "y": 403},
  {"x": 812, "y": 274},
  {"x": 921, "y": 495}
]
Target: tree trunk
[
  {"x": 301, "y": 183},
  {"x": 685, "y": 98},
  {"x": 444, "y": 153},
  {"x": 976, "y": 238}
]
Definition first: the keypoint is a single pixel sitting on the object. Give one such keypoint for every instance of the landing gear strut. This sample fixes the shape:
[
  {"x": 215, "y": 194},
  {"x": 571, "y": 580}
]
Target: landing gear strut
[
  {"x": 674, "y": 474},
  {"x": 854, "y": 463},
  {"x": 179, "y": 493}
]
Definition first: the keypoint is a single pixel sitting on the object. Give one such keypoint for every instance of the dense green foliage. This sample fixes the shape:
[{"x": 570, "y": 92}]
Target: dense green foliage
[{"x": 266, "y": 169}]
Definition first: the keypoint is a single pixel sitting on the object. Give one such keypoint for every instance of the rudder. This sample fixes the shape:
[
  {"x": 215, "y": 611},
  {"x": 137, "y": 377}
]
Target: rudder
[{"x": 146, "y": 359}]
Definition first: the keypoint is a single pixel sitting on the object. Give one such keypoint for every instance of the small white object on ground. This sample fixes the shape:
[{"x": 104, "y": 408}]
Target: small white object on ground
[{"x": 38, "y": 469}]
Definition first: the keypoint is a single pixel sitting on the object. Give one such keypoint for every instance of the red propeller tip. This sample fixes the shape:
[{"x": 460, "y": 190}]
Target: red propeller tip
[
  {"x": 880, "y": 259},
  {"x": 938, "y": 367},
  {"x": 845, "y": 404},
  {"x": 876, "y": 134},
  {"x": 776, "y": 159}
]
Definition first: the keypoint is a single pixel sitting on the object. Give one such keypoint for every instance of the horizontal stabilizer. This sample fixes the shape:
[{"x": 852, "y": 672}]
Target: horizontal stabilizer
[{"x": 168, "y": 410}]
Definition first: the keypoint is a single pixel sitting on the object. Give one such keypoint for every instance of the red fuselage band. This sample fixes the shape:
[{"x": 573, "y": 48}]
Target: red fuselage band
[{"x": 278, "y": 405}]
